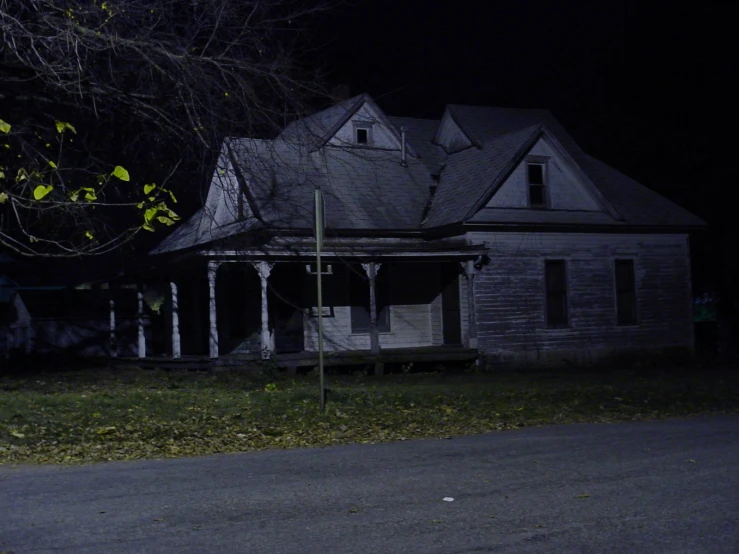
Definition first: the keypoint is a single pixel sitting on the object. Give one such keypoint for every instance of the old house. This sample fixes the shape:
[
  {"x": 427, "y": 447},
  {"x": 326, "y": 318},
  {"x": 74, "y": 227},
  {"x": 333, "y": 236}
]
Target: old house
[{"x": 486, "y": 232}]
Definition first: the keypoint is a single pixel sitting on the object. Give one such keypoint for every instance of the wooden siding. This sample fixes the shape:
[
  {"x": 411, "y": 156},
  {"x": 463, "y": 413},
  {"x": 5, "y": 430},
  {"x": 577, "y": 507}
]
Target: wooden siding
[
  {"x": 510, "y": 296},
  {"x": 564, "y": 189},
  {"x": 415, "y": 304},
  {"x": 463, "y": 306}
]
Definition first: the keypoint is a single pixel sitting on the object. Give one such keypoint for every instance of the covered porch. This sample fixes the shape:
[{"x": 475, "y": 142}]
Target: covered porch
[{"x": 391, "y": 305}]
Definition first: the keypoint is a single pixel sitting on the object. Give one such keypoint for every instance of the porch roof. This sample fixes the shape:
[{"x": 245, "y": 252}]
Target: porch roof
[{"x": 300, "y": 249}]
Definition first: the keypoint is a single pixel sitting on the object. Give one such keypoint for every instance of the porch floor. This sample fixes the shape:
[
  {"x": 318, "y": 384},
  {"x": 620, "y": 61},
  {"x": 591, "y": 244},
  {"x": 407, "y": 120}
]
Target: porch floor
[{"x": 309, "y": 359}]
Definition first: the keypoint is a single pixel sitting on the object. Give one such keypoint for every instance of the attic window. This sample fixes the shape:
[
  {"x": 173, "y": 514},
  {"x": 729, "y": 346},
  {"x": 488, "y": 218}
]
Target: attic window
[
  {"x": 362, "y": 135},
  {"x": 535, "y": 175}
]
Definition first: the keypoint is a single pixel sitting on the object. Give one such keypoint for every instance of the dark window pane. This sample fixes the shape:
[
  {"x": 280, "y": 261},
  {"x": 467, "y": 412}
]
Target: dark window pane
[
  {"x": 536, "y": 174},
  {"x": 556, "y": 292},
  {"x": 536, "y": 196},
  {"x": 625, "y": 292},
  {"x": 362, "y": 136}
]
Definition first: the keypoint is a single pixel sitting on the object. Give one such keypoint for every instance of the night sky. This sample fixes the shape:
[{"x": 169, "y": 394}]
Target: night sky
[{"x": 649, "y": 90}]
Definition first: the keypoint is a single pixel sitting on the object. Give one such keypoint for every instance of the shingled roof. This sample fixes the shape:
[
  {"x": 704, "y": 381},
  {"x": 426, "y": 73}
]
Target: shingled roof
[
  {"x": 505, "y": 135},
  {"x": 370, "y": 190}
]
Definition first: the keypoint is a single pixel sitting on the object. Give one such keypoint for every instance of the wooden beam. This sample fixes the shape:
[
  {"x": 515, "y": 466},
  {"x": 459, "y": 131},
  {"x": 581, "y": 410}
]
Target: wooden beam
[
  {"x": 470, "y": 271},
  {"x": 264, "y": 269},
  {"x": 176, "y": 343},
  {"x": 371, "y": 270},
  {"x": 213, "y": 334}
]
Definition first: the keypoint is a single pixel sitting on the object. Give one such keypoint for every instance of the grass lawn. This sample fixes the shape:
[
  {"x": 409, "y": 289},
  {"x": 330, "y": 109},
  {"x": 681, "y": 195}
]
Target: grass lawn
[{"x": 93, "y": 416}]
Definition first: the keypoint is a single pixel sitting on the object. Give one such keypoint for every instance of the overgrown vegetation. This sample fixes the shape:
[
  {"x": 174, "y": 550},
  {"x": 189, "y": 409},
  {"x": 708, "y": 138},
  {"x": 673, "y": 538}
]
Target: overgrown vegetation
[{"x": 94, "y": 416}]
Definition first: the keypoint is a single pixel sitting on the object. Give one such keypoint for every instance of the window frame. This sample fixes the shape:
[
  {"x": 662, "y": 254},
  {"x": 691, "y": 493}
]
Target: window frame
[
  {"x": 564, "y": 293},
  {"x": 542, "y": 162},
  {"x": 362, "y": 126},
  {"x": 619, "y": 292}
]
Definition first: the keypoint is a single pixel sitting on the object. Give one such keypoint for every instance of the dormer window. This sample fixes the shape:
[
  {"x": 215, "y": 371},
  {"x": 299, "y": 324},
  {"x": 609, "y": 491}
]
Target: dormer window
[
  {"x": 536, "y": 179},
  {"x": 362, "y": 135}
]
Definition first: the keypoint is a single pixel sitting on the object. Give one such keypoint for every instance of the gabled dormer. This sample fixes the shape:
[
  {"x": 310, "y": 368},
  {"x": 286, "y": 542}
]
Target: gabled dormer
[
  {"x": 367, "y": 127},
  {"x": 451, "y": 136},
  {"x": 546, "y": 177},
  {"x": 354, "y": 123}
]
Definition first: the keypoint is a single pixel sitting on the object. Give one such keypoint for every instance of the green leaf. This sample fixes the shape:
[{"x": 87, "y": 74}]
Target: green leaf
[
  {"x": 3, "y": 197},
  {"x": 2, "y": 175},
  {"x": 41, "y": 191},
  {"x": 52, "y": 164},
  {"x": 150, "y": 214},
  {"x": 74, "y": 196},
  {"x": 149, "y": 188},
  {"x": 4, "y": 127},
  {"x": 164, "y": 219},
  {"x": 88, "y": 234},
  {"x": 90, "y": 194},
  {"x": 171, "y": 195},
  {"x": 62, "y": 126},
  {"x": 22, "y": 175},
  {"x": 148, "y": 227},
  {"x": 121, "y": 173}
]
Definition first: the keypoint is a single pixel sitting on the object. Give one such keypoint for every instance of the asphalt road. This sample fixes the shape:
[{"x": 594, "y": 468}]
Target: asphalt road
[{"x": 662, "y": 487}]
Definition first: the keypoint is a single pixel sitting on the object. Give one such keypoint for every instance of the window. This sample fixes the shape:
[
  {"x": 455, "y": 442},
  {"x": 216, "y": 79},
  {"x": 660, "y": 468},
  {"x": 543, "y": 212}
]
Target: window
[
  {"x": 359, "y": 299},
  {"x": 362, "y": 135},
  {"x": 536, "y": 182},
  {"x": 556, "y": 292},
  {"x": 625, "y": 292}
]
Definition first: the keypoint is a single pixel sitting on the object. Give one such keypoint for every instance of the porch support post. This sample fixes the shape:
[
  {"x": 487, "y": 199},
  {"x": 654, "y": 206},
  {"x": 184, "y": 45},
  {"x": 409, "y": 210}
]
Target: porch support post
[
  {"x": 371, "y": 270},
  {"x": 264, "y": 269},
  {"x": 113, "y": 347},
  {"x": 140, "y": 313},
  {"x": 176, "y": 344},
  {"x": 470, "y": 272},
  {"x": 213, "y": 341}
]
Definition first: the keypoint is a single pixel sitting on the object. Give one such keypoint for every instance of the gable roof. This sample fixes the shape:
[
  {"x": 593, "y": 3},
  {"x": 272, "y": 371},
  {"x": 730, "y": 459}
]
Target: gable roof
[
  {"x": 314, "y": 131},
  {"x": 369, "y": 190},
  {"x": 505, "y": 135}
]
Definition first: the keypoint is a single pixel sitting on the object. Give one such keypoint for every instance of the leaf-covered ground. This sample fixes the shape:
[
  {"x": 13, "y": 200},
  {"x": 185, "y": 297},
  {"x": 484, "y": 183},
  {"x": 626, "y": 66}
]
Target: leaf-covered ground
[{"x": 95, "y": 416}]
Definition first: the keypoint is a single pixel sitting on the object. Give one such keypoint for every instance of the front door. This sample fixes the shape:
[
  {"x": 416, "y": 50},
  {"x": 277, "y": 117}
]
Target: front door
[{"x": 450, "y": 309}]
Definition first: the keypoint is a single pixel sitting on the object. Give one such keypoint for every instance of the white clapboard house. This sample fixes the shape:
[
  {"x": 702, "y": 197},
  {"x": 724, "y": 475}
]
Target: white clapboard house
[{"x": 488, "y": 232}]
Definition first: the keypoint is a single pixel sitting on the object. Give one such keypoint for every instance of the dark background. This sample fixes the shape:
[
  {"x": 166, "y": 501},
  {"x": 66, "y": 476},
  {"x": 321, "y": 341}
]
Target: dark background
[{"x": 648, "y": 87}]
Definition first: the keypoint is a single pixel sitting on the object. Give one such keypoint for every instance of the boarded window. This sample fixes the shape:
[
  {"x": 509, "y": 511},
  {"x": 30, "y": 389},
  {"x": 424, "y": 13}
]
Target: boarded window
[
  {"x": 625, "y": 292},
  {"x": 535, "y": 177},
  {"x": 360, "y": 301},
  {"x": 556, "y": 292}
]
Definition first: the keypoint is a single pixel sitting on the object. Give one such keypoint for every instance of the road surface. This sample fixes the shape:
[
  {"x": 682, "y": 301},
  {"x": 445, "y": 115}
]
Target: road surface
[{"x": 654, "y": 487}]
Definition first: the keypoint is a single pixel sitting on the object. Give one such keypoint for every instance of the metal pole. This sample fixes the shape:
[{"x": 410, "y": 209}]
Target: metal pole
[{"x": 319, "y": 243}]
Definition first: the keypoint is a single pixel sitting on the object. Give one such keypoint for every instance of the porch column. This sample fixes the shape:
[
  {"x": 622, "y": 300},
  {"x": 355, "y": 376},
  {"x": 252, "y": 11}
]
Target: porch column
[
  {"x": 213, "y": 342},
  {"x": 140, "y": 313},
  {"x": 113, "y": 347},
  {"x": 264, "y": 269},
  {"x": 176, "y": 345},
  {"x": 470, "y": 272},
  {"x": 371, "y": 270}
]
